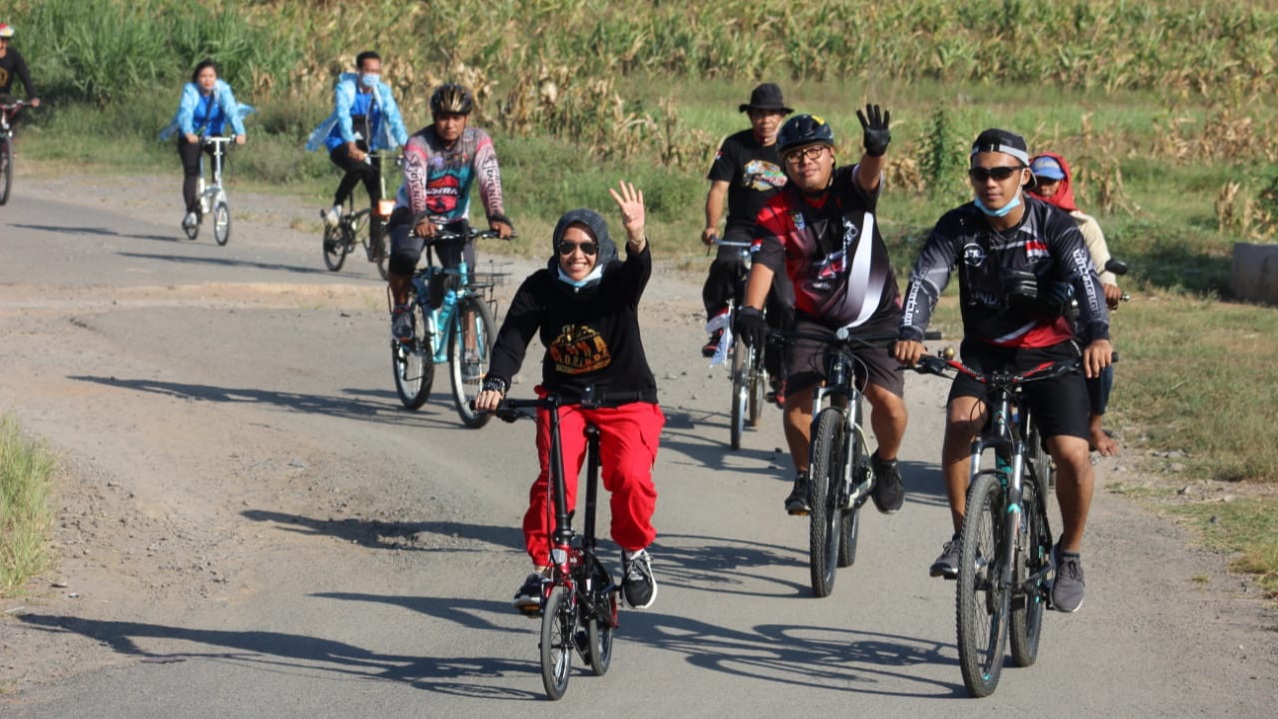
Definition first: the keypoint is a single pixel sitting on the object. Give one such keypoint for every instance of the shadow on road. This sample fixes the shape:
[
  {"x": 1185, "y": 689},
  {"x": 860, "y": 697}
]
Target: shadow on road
[
  {"x": 94, "y": 231},
  {"x": 375, "y": 534},
  {"x": 228, "y": 262}
]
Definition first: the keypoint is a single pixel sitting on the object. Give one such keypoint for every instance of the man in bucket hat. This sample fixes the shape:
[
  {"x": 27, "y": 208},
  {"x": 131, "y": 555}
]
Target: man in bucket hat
[{"x": 746, "y": 172}]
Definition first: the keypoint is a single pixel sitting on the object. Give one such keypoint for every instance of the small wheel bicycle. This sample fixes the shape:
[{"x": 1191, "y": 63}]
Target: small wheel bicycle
[
  {"x": 749, "y": 376},
  {"x": 1004, "y": 579},
  {"x": 453, "y": 323},
  {"x": 213, "y": 196},
  {"x": 8, "y": 111},
  {"x": 579, "y": 604},
  {"x": 354, "y": 227}
]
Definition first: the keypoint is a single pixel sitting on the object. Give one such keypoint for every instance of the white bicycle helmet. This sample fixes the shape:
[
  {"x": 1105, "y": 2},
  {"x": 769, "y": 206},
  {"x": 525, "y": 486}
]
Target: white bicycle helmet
[{"x": 6, "y": 30}]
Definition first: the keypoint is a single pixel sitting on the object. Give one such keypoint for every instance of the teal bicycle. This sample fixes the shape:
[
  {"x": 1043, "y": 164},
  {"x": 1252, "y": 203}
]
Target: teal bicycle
[{"x": 453, "y": 324}]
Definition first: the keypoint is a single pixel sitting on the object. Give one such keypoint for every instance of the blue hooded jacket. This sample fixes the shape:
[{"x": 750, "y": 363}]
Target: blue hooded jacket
[
  {"x": 227, "y": 110},
  {"x": 387, "y": 126}
]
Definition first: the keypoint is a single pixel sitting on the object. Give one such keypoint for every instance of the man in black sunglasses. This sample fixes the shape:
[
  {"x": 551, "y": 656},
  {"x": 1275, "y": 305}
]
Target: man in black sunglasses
[{"x": 1012, "y": 252}]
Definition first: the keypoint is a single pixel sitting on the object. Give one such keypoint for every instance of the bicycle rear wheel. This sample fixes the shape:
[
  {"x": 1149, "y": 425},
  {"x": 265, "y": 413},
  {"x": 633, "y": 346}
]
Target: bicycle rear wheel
[
  {"x": 600, "y": 624},
  {"x": 413, "y": 363},
  {"x": 336, "y": 245},
  {"x": 222, "y": 222},
  {"x": 758, "y": 386},
  {"x": 557, "y": 623},
  {"x": 1039, "y": 458},
  {"x": 1033, "y": 552},
  {"x": 740, "y": 391},
  {"x": 6, "y": 169},
  {"x": 826, "y": 519},
  {"x": 470, "y": 345},
  {"x": 982, "y": 602}
]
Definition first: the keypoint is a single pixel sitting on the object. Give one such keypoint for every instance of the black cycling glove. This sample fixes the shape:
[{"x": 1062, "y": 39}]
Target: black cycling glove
[
  {"x": 751, "y": 327},
  {"x": 875, "y": 123}
]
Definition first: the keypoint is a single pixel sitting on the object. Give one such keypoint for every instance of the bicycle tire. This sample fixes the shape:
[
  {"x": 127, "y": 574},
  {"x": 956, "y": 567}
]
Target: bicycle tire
[
  {"x": 413, "y": 364},
  {"x": 850, "y": 525},
  {"x": 6, "y": 169},
  {"x": 600, "y": 624},
  {"x": 193, "y": 231},
  {"x": 982, "y": 606},
  {"x": 740, "y": 391},
  {"x": 758, "y": 387},
  {"x": 825, "y": 477},
  {"x": 335, "y": 247},
  {"x": 557, "y": 624},
  {"x": 1039, "y": 458},
  {"x": 1032, "y": 554},
  {"x": 222, "y": 222},
  {"x": 468, "y": 377}
]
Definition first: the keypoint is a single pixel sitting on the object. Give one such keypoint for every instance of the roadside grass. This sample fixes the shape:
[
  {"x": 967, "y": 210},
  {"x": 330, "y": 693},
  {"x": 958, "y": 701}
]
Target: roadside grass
[
  {"x": 26, "y": 476},
  {"x": 1245, "y": 530}
]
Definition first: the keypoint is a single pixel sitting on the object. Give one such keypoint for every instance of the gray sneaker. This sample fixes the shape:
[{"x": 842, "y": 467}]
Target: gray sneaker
[
  {"x": 402, "y": 324},
  {"x": 191, "y": 220},
  {"x": 638, "y": 585},
  {"x": 947, "y": 564},
  {"x": 1067, "y": 590}
]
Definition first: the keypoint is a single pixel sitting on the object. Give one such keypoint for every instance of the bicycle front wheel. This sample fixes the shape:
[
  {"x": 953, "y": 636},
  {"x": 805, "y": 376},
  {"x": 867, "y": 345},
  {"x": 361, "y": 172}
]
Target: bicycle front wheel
[
  {"x": 824, "y": 483},
  {"x": 850, "y": 524},
  {"x": 983, "y": 600},
  {"x": 557, "y": 624},
  {"x": 336, "y": 245},
  {"x": 1033, "y": 552},
  {"x": 6, "y": 169},
  {"x": 470, "y": 345},
  {"x": 757, "y": 386},
  {"x": 222, "y": 222},
  {"x": 740, "y": 391},
  {"x": 413, "y": 363},
  {"x": 601, "y": 622}
]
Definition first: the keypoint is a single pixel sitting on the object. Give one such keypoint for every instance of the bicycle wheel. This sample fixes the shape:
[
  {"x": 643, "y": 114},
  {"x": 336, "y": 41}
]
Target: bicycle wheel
[
  {"x": 1039, "y": 458},
  {"x": 850, "y": 524},
  {"x": 600, "y": 624},
  {"x": 413, "y": 363},
  {"x": 557, "y": 623},
  {"x": 740, "y": 391},
  {"x": 758, "y": 388},
  {"x": 470, "y": 345},
  {"x": 826, "y": 519},
  {"x": 1033, "y": 552},
  {"x": 193, "y": 231},
  {"x": 222, "y": 222},
  {"x": 982, "y": 602},
  {"x": 6, "y": 169},
  {"x": 336, "y": 245}
]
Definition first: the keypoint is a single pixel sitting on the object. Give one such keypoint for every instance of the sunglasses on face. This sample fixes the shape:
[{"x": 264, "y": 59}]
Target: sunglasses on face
[
  {"x": 587, "y": 248},
  {"x": 981, "y": 174}
]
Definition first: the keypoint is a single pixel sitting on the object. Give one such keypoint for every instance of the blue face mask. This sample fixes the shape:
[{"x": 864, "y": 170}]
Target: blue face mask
[
  {"x": 369, "y": 80},
  {"x": 1016, "y": 202}
]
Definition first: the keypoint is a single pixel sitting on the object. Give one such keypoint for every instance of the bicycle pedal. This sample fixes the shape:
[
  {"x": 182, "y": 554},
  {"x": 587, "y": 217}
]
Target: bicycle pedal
[{"x": 532, "y": 612}]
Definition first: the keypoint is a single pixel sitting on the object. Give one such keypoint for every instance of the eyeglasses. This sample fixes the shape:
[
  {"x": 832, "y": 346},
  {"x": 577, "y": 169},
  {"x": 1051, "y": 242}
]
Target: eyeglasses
[
  {"x": 587, "y": 248},
  {"x": 812, "y": 152},
  {"x": 981, "y": 174}
]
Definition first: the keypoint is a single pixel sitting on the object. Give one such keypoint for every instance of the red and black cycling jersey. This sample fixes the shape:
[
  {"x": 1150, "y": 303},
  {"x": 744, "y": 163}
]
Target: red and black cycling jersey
[
  {"x": 1046, "y": 243},
  {"x": 831, "y": 249}
]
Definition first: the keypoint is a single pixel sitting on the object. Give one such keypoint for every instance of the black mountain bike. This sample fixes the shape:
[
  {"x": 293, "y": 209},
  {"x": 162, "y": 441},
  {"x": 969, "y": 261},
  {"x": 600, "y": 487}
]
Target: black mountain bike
[
  {"x": 749, "y": 376},
  {"x": 354, "y": 227},
  {"x": 840, "y": 479},
  {"x": 579, "y": 604}
]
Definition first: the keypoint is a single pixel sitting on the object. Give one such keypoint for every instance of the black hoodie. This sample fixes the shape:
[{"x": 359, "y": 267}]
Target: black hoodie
[{"x": 591, "y": 332}]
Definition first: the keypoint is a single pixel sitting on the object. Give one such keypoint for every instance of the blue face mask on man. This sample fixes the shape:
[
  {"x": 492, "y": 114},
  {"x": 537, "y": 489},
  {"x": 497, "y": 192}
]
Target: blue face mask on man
[{"x": 369, "y": 80}]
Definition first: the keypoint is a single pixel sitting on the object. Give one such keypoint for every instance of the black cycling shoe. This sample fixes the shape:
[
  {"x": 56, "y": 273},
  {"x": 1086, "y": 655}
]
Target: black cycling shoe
[
  {"x": 797, "y": 504},
  {"x": 889, "y": 490}
]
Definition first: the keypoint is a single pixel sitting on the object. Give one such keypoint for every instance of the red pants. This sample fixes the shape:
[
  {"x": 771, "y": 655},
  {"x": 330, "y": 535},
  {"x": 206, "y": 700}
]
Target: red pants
[{"x": 628, "y": 437}]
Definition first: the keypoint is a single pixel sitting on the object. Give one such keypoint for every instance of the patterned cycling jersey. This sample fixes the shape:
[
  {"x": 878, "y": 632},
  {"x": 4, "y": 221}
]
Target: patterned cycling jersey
[
  {"x": 1046, "y": 242},
  {"x": 437, "y": 179},
  {"x": 832, "y": 251}
]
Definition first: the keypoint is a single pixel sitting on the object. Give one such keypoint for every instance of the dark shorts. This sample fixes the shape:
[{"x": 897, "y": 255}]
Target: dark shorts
[
  {"x": 805, "y": 359},
  {"x": 406, "y": 247},
  {"x": 1059, "y": 405}
]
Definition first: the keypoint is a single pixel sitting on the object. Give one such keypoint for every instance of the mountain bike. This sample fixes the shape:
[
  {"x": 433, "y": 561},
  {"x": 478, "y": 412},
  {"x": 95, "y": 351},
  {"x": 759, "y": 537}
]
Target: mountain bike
[
  {"x": 1005, "y": 569},
  {"x": 354, "y": 227},
  {"x": 840, "y": 478},
  {"x": 213, "y": 196},
  {"x": 748, "y": 374},
  {"x": 579, "y": 604},
  {"x": 453, "y": 323},
  {"x": 8, "y": 111}
]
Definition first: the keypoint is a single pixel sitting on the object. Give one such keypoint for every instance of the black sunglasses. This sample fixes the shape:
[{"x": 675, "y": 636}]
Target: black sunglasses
[
  {"x": 589, "y": 248},
  {"x": 981, "y": 174}
]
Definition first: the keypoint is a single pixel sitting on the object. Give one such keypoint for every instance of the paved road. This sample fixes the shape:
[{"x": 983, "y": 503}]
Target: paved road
[{"x": 294, "y": 544}]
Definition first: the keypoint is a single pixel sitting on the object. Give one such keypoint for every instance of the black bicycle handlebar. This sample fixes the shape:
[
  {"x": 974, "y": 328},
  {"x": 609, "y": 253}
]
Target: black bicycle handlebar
[
  {"x": 842, "y": 336},
  {"x": 941, "y": 367}
]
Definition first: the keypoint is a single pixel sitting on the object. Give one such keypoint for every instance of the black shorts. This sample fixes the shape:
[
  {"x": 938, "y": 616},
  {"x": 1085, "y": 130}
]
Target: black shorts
[
  {"x": 805, "y": 359},
  {"x": 406, "y": 247},
  {"x": 1059, "y": 405}
]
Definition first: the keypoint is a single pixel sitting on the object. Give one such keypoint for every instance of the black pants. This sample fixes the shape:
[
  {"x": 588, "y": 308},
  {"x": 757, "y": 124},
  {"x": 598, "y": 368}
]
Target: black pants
[
  {"x": 727, "y": 277},
  {"x": 357, "y": 171},
  {"x": 190, "y": 154},
  {"x": 406, "y": 247}
]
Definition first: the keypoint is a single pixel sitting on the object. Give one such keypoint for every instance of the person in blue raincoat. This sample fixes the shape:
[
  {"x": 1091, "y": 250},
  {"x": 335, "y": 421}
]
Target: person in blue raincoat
[
  {"x": 207, "y": 107},
  {"x": 365, "y": 119}
]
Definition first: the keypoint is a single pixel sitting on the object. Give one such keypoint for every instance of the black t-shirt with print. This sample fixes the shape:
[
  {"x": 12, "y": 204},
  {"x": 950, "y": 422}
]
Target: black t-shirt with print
[
  {"x": 753, "y": 173},
  {"x": 12, "y": 66}
]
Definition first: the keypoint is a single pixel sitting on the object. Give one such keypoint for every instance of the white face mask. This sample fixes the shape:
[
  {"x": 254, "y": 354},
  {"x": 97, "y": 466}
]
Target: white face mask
[{"x": 369, "y": 80}]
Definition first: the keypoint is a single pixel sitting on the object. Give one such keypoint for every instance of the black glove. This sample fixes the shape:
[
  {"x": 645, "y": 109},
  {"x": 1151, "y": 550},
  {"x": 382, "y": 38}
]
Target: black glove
[
  {"x": 875, "y": 123},
  {"x": 751, "y": 327}
]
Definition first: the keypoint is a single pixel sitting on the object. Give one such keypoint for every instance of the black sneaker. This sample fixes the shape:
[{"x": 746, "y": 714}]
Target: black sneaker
[
  {"x": 528, "y": 599},
  {"x": 797, "y": 504},
  {"x": 712, "y": 346},
  {"x": 889, "y": 491},
  {"x": 638, "y": 586},
  {"x": 947, "y": 564},
  {"x": 402, "y": 324},
  {"x": 1067, "y": 589}
]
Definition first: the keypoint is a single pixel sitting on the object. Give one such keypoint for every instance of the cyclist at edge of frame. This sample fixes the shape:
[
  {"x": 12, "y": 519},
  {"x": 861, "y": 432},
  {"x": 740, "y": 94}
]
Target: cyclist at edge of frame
[
  {"x": 821, "y": 230},
  {"x": 365, "y": 119},
  {"x": 584, "y": 306},
  {"x": 1017, "y": 258},
  {"x": 13, "y": 66},
  {"x": 746, "y": 172},
  {"x": 441, "y": 162},
  {"x": 207, "y": 107}
]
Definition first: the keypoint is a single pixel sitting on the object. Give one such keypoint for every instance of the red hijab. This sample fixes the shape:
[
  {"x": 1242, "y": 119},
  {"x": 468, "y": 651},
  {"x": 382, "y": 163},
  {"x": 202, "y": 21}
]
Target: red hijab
[{"x": 1064, "y": 195}]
